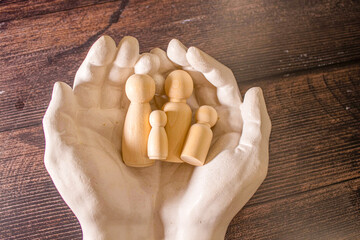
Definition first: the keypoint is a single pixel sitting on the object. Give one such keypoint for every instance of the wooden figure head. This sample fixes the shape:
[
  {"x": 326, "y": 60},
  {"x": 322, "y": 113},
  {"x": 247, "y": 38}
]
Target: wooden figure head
[
  {"x": 207, "y": 115},
  {"x": 140, "y": 88},
  {"x": 158, "y": 118},
  {"x": 178, "y": 85}
]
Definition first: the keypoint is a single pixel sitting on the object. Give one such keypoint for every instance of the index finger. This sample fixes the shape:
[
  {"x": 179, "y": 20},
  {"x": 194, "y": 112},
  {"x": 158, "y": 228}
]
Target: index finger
[{"x": 217, "y": 74}]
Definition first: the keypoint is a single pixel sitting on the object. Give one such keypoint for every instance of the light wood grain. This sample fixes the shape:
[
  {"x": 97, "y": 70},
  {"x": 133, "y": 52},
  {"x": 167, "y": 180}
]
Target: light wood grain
[
  {"x": 140, "y": 89},
  {"x": 157, "y": 145},
  {"x": 178, "y": 87},
  {"x": 198, "y": 139}
]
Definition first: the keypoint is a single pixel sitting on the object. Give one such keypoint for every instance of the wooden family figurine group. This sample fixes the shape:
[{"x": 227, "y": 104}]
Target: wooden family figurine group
[{"x": 165, "y": 135}]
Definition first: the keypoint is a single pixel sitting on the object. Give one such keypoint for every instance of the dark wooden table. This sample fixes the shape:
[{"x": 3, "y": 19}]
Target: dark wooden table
[{"x": 304, "y": 54}]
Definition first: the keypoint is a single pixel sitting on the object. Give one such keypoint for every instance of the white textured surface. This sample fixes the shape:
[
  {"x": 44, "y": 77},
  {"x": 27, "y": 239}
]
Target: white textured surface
[{"x": 83, "y": 129}]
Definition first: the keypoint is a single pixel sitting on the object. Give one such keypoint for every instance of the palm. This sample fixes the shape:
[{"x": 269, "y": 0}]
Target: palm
[
  {"x": 115, "y": 183},
  {"x": 88, "y": 122}
]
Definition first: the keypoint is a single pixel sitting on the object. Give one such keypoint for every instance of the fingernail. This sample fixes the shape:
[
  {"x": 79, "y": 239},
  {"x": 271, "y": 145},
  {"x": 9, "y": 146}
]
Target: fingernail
[
  {"x": 102, "y": 51},
  {"x": 147, "y": 64},
  {"x": 128, "y": 52}
]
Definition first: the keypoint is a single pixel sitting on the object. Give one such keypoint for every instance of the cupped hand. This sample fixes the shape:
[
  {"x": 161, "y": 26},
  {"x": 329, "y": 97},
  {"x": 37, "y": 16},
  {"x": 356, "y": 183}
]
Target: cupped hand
[
  {"x": 208, "y": 197},
  {"x": 83, "y": 128}
]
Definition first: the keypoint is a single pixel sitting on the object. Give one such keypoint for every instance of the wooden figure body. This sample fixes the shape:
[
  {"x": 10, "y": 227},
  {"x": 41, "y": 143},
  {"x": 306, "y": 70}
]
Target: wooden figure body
[
  {"x": 140, "y": 89},
  {"x": 158, "y": 142},
  {"x": 199, "y": 137},
  {"x": 178, "y": 87}
]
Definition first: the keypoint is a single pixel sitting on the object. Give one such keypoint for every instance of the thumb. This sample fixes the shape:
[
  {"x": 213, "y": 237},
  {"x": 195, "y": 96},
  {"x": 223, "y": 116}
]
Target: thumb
[
  {"x": 58, "y": 119},
  {"x": 257, "y": 124}
]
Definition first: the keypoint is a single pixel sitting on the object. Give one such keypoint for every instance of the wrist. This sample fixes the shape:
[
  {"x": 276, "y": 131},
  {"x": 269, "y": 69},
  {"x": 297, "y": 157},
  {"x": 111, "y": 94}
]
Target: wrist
[
  {"x": 196, "y": 230},
  {"x": 94, "y": 231},
  {"x": 114, "y": 231}
]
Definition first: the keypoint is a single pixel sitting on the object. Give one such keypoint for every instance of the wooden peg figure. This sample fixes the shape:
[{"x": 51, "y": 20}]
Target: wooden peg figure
[
  {"x": 140, "y": 89},
  {"x": 199, "y": 137},
  {"x": 178, "y": 87},
  {"x": 158, "y": 141}
]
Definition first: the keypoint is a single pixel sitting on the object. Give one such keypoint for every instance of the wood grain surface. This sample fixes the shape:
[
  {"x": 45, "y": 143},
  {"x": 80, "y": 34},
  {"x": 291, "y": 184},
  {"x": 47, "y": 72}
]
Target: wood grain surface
[{"x": 305, "y": 55}]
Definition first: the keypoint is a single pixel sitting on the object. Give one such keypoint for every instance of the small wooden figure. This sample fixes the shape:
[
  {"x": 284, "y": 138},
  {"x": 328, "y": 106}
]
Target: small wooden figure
[
  {"x": 158, "y": 142},
  {"x": 140, "y": 89},
  {"x": 178, "y": 87},
  {"x": 200, "y": 135}
]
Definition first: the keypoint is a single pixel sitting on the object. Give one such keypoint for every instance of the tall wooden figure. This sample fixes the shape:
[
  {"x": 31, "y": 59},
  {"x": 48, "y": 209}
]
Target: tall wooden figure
[
  {"x": 140, "y": 89},
  {"x": 178, "y": 87},
  {"x": 158, "y": 143},
  {"x": 199, "y": 137}
]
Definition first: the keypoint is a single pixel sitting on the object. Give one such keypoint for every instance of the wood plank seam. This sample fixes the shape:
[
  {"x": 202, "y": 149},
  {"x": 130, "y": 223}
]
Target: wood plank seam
[{"x": 58, "y": 11}]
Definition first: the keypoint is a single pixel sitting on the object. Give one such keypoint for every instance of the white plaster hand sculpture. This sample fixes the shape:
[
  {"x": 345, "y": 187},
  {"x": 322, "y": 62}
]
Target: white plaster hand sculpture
[{"x": 83, "y": 129}]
